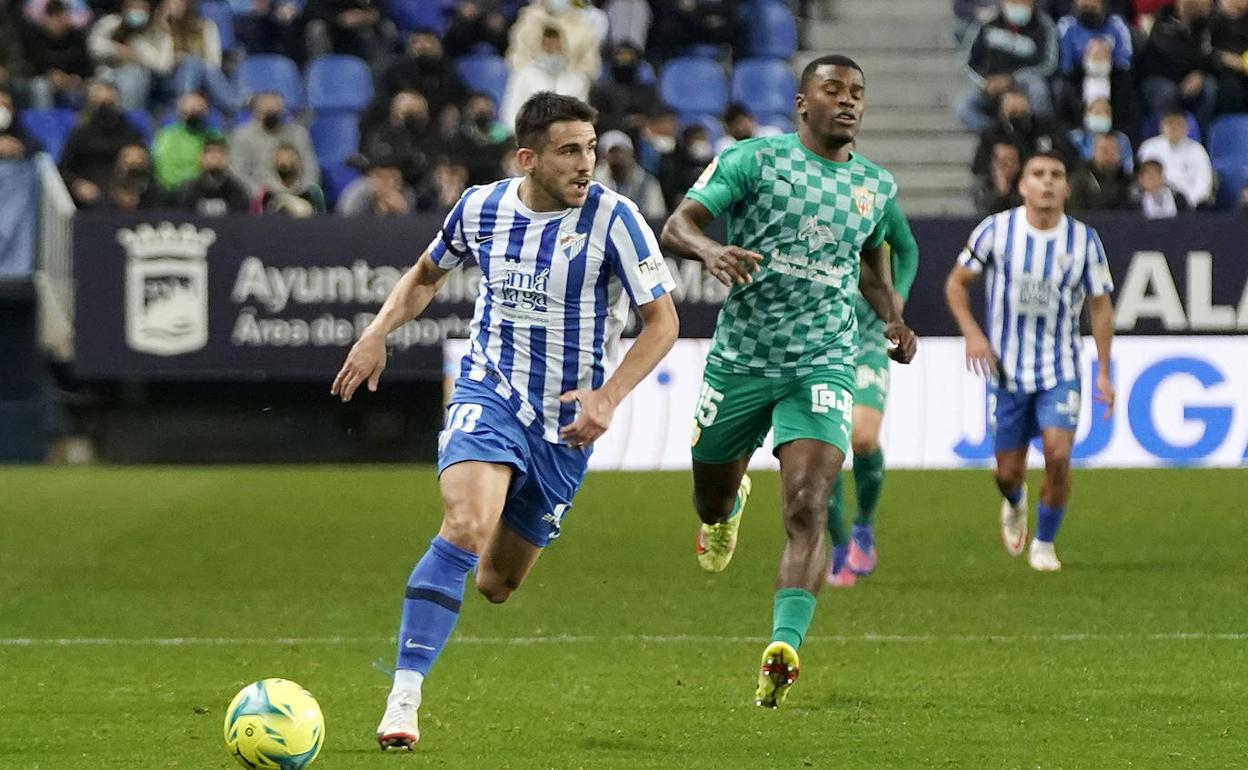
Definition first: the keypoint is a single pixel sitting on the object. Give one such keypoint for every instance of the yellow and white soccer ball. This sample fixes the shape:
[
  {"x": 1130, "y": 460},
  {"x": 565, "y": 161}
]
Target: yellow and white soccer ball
[{"x": 274, "y": 723}]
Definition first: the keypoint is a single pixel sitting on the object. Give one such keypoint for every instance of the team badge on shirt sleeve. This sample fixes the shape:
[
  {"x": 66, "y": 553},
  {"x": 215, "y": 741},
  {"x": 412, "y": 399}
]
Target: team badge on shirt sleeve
[{"x": 864, "y": 199}]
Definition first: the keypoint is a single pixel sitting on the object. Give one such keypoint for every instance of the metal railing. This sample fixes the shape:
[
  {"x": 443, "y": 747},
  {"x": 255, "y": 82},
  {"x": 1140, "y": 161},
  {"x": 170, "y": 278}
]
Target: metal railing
[{"x": 54, "y": 273}]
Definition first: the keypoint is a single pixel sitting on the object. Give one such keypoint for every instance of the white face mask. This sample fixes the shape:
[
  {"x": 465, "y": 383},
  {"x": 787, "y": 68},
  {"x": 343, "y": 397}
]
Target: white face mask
[
  {"x": 1097, "y": 69},
  {"x": 664, "y": 144},
  {"x": 6, "y": 118},
  {"x": 554, "y": 63},
  {"x": 1018, "y": 15},
  {"x": 557, "y": 7}
]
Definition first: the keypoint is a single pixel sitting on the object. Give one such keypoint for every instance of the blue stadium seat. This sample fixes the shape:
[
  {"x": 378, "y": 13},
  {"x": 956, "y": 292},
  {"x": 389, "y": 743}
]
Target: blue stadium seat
[
  {"x": 334, "y": 179},
  {"x": 335, "y": 136},
  {"x": 484, "y": 72},
  {"x": 142, "y": 122},
  {"x": 693, "y": 86},
  {"x": 765, "y": 86},
  {"x": 410, "y": 15},
  {"x": 339, "y": 83},
  {"x": 271, "y": 72},
  {"x": 220, "y": 13},
  {"x": 1152, "y": 126},
  {"x": 1228, "y": 149},
  {"x": 50, "y": 127},
  {"x": 773, "y": 31}
]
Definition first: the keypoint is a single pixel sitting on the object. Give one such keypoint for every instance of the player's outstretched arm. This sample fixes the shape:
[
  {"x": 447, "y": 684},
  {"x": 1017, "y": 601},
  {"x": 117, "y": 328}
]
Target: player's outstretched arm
[
  {"x": 875, "y": 281},
  {"x": 979, "y": 356},
  {"x": 1101, "y": 312},
  {"x": 408, "y": 299},
  {"x": 661, "y": 327},
  {"x": 683, "y": 236}
]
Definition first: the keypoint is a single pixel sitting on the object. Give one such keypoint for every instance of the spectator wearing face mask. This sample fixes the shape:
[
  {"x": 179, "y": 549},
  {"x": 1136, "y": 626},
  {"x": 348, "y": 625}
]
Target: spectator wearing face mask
[
  {"x": 90, "y": 152},
  {"x": 549, "y": 72},
  {"x": 656, "y": 139},
  {"x": 130, "y": 49},
  {"x": 59, "y": 64},
  {"x": 682, "y": 23},
  {"x": 293, "y": 195},
  {"x": 214, "y": 191},
  {"x": 621, "y": 99},
  {"x": 178, "y": 147},
  {"x": 997, "y": 188},
  {"x": 970, "y": 14},
  {"x": 739, "y": 125},
  {"x": 1018, "y": 48},
  {"x": 1094, "y": 63},
  {"x": 579, "y": 39},
  {"x": 1184, "y": 160},
  {"x": 132, "y": 186},
  {"x": 381, "y": 192},
  {"x": 480, "y": 143},
  {"x": 1098, "y": 121},
  {"x": 1229, "y": 37},
  {"x": 1177, "y": 62},
  {"x": 1102, "y": 184},
  {"x": 411, "y": 139},
  {"x": 618, "y": 170},
  {"x": 1018, "y": 125},
  {"x": 1153, "y": 196},
  {"x": 252, "y": 145},
  {"x": 348, "y": 27},
  {"x": 473, "y": 23},
  {"x": 425, "y": 69},
  {"x": 15, "y": 143},
  {"x": 681, "y": 167}
]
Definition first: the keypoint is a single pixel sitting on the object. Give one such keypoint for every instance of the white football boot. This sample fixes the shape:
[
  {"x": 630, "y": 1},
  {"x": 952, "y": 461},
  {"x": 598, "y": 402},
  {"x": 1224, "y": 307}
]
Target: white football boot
[
  {"x": 398, "y": 725},
  {"x": 1042, "y": 557}
]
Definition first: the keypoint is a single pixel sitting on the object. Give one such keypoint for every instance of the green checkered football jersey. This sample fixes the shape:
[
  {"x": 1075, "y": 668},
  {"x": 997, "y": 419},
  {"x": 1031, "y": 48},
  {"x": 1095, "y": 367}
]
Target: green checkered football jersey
[{"x": 810, "y": 218}]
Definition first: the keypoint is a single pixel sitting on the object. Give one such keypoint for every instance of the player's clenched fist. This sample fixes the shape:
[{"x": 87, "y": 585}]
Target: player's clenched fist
[
  {"x": 366, "y": 361},
  {"x": 596, "y": 411},
  {"x": 905, "y": 342},
  {"x": 732, "y": 264}
]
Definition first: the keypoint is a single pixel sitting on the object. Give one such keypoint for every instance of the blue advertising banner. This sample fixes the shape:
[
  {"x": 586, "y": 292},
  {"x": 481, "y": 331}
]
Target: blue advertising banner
[{"x": 164, "y": 296}]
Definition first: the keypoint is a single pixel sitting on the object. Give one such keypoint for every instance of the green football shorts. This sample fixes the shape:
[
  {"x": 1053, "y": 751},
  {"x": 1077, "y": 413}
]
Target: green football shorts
[
  {"x": 871, "y": 383},
  {"x": 735, "y": 411}
]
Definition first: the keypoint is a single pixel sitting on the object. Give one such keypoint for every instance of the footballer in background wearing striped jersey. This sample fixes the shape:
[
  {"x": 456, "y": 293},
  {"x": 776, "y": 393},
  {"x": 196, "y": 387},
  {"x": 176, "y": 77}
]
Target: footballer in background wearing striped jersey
[{"x": 1040, "y": 264}]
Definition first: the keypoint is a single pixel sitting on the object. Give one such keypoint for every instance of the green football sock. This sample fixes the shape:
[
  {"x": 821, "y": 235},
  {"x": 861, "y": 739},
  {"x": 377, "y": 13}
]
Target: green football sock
[
  {"x": 795, "y": 608},
  {"x": 869, "y": 482},
  {"x": 836, "y": 514}
]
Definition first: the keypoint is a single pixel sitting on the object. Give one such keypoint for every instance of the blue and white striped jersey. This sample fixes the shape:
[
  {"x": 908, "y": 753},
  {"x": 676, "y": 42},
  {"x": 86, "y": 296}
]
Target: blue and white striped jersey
[
  {"x": 554, "y": 294},
  {"x": 1037, "y": 281}
]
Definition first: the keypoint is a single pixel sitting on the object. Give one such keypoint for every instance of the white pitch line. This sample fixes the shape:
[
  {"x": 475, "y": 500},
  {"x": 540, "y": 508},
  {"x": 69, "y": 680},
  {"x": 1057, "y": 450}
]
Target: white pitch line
[{"x": 343, "y": 641}]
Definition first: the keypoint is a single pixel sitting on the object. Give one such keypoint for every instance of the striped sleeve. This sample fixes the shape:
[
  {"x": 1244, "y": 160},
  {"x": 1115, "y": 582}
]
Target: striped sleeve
[
  {"x": 449, "y": 248},
  {"x": 1097, "y": 279},
  {"x": 978, "y": 252},
  {"x": 634, "y": 256}
]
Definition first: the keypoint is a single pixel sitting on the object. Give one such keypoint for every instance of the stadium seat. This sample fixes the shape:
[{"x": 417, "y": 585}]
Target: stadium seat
[
  {"x": 1228, "y": 138},
  {"x": 765, "y": 86},
  {"x": 693, "y": 86},
  {"x": 142, "y": 122},
  {"x": 411, "y": 15},
  {"x": 271, "y": 72},
  {"x": 50, "y": 127},
  {"x": 220, "y": 13},
  {"x": 484, "y": 72},
  {"x": 335, "y": 136},
  {"x": 334, "y": 179},
  {"x": 339, "y": 83},
  {"x": 773, "y": 31},
  {"x": 1152, "y": 126}
]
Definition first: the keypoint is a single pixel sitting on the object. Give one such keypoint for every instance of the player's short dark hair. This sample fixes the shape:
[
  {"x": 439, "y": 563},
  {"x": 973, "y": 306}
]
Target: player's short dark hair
[
  {"x": 1051, "y": 154},
  {"x": 544, "y": 109},
  {"x": 834, "y": 59}
]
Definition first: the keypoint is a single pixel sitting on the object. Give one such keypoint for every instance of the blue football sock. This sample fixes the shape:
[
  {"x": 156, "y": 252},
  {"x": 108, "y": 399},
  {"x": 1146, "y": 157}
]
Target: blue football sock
[
  {"x": 1014, "y": 495},
  {"x": 1048, "y": 520},
  {"x": 839, "y": 554},
  {"x": 431, "y": 605},
  {"x": 864, "y": 537}
]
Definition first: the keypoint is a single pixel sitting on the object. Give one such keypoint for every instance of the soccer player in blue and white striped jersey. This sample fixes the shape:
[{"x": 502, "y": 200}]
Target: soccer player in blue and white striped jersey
[
  {"x": 561, "y": 258},
  {"x": 1041, "y": 264}
]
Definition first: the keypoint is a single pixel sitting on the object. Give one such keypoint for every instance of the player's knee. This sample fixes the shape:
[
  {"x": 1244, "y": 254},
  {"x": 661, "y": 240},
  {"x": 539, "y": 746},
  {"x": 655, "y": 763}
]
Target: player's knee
[
  {"x": 1057, "y": 458},
  {"x": 1010, "y": 477},
  {"x": 805, "y": 510},
  {"x": 467, "y": 526},
  {"x": 494, "y": 587},
  {"x": 865, "y": 445}
]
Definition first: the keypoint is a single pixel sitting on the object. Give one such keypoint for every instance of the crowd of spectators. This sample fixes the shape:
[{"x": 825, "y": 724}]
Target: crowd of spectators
[
  {"x": 1126, "y": 89},
  {"x": 126, "y": 67}
]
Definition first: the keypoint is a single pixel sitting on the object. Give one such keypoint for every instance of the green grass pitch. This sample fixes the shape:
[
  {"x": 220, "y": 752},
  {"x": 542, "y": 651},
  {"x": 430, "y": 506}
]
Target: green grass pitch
[{"x": 619, "y": 652}]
